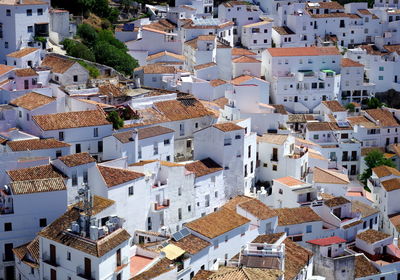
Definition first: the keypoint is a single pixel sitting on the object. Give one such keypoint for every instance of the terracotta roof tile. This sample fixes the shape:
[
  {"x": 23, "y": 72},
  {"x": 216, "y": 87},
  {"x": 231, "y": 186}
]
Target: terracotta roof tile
[
  {"x": 268, "y": 238},
  {"x": 258, "y": 209},
  {"x": 383, "y": 171},
  {"x": 364, "y": 209},
  {"x": 111, "y": 90},
  {"x": 240, "y": 52},
  {"x": 366, "y": 150},
  {"x": 303, "y": 51},
  {"x": 260, "y": 23},
  {"x": 37, "y": 186},
  {"x": 25, "y": 72},
  {"x": 228, "y": 126},
  {"x": 289, "y": 181},
  {"x": 182, "y": 109},
  {"x": 32, "y": 100},
  {"x": 22, "y": 52},
  {"x": 164, "y": 265},
  {"x": 217, "y": 223},
  {"x": 71, "y": 120},
  {"x": 283, "y": 30},
  {"x": 191, "y": 244},
  {"x": 362, "y": 121},
  {"x": 205, "y": 65},
  {"x": 327, "y": 176},
  {"x": 157, "y": 69},
  {"x": 36, "y": 144},
  {"x": 363, "y": 267},
  {"x": 165, "y": 53},
  {"x": 371, "y": 236},
  {"x": 334, "y": 106},
  {"x": 335, "y": 15},
  {"x": 77, "y": 159},
  {"x": 384, "y": 117},
  {"x": 326, "y": 5},
  {"x": 203, "y": 167},
  {"x": 279, "y": 109},
  {"x": 327, "y": 241},
  {"x": 57, "y": 64},
  {"x": 336, "y": 201},
  {"x": 126, "y": 136},
  {"x": 391, "y": 184},
  {"x": 296, "y": 258},
  {"x": 34, "y": 173},
  {"x": 29, "y": 253},
  {"x": 5, "y": 69},
  {"x": 245, "y": 59},
  {"x": 292, "y": 216},
  {"x": 153, "y": 131},
  {"x": 347, "y": 62},
  {"x": 116, "y": 176},
  {"x": 277, "y": 139},
  {"x": 232, "y": 203},
  {"x": 318, "y": 126},
  {"x": 217, "y": 82}
]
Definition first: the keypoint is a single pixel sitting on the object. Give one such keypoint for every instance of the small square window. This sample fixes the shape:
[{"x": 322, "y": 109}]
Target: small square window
[
  {"x": 8, "y": 13},
  {"x": 274, "y": 167},
  {"x": 29, "y": 12},
  {"x": 30, "y": 29},
  {"x": 75, "y": 78},
  {"x": 68, "y": 256},
  {"x": 130, "y": 190},
  {"x": 40, "y": 12},
  {"x": 7, "y": 226},
  {"x": 166, "y": 142},
  {"x": 43, "y": 222}
]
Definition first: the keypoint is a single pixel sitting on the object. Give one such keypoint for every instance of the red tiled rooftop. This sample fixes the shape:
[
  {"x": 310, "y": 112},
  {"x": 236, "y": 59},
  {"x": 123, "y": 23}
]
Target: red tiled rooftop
[
  {"x": 138, "y": 263},
  {"x": 327, "y": 241}
]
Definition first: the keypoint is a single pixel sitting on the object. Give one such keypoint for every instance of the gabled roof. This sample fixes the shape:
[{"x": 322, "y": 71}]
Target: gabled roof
[
  {"x": 383, "y": 171},
  {"x": 205, "y": 65},
  {"x": 203, "y": 167},
  {"x": 32, "y": 100},
  {"x": 347, "y": 62},
  {"x": 362, "y": 208},
  {"x": 71, "y": 120},
  {"x": 191, "y": 244},
  {"x": 243, "y": 78},
  {"x": 289, "y": 181},
  {"x": 258, "y": 209},
  {"x": 57, "y": 64},
  {"x": 116, "y": 176},
  {"x": 245, "y": 59},
  {"x": 38, "y": 185},
  {"x": 165, "y": 53},
  {"x": 318, "y": 126},
  {"x": 293, "y": 216},
  {"x": 5, "y": 69},
  {"x": 391, "y": 184},
  {"x": 303, "y": 51},
  {"x": 384, "y": 117},
  {"x": 240, "y": 52},
  {"x": 277, "y": 139},
  {"x": 336, "y": 201},
  {"x": 22, "y": 52},
  {"x": 283, "y": 30},
  {"x": 77, "y": 159},
  {"x": 153, "y": 131},
  {"x": 29, "y": 253},
  {"x": 25, "y": 72},
  {"x": 362, "y": 121},
  {"x": 334, "y": 106},
  {"x": 327, "y": 176},
  {"x": 327, "y": 241},
  {"x": 217, "y": 223},
  {"x": 228, "y": 126},
  {"x": 363, "y": 267},
  {"x": 34, "y": 173},
  {"x": 182, "y": 109},
  {"x": 157, "y": 69},
  {"x": 36, "y": 144},
  {"x": 371, "y": 236},
  {"x": 217, "y": 82}
]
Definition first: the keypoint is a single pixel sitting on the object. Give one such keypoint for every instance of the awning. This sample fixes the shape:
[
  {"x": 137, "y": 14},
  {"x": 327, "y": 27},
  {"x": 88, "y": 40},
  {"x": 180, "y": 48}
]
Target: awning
[{"x": 172, "y": 252}]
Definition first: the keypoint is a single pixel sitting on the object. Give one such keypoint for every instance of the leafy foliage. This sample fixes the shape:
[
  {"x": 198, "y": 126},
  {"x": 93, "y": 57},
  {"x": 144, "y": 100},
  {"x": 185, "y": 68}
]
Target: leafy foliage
[
  {"x": 77, "y": 49},
  {"x": 93, "y": 71},
  {"x": 374, "y": 103},
  {"x": 88, "y": 34},
  {"x": 351, "y": 107},
  {"x": 373, "y": 159},
  {"x": 115, "y": 119}
]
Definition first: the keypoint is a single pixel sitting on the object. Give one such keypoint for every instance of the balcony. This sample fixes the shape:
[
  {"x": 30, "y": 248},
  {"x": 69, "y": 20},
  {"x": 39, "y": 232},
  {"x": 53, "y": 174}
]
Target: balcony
[
  {"x": 50, "y": 261},
  {"x": 161, "y": 205},
  {"x": 82, "y": 274}
]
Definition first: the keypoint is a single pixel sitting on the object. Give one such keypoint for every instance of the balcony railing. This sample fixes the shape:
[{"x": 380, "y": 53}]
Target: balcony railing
[{"x": 161, "y": 205}]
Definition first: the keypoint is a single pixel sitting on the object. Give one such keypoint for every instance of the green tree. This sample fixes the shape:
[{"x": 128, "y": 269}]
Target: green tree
[
  {"x": 373, "y": 159},
  {"x": 351, "y": 107},
  {"x": 108, "y": 36},
  {"x": 110, "y": 55},
  {"x": 81, "y": 51},
  {"x": 88, "y": 34},
  {"x": 374, "y": 103},
  {"x": 115, "y": 119}
]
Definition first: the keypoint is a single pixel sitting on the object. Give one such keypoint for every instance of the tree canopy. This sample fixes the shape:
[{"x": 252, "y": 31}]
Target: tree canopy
[{"x": 373, "y": 159}]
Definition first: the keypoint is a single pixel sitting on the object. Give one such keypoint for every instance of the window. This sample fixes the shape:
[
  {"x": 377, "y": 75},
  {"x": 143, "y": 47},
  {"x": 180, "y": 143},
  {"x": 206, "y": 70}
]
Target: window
[
  {"x": 68, "y": 256},
  {"x": 226, "y": 238},
  {"x": 380, "y": 78},
  {"x": 274, "y": 167},
  {"x": 196, "y": 125},
  {"x": 155, "y": 148},
  {"x": 96, "y": 132},
  {"x": 43, "y": 222},
  {"x": 227, "y": 142},
  {"x": 216, "y": 194},
  {"x": 265, "y": 41},
  {"x": 58, "y": 153},
  {"x": 30, "y": 29},
  {"x": 280, "y": 191},
  {"x": 254, "y": 41},
  {"x": 61, "y": 135},
  {"x": 249, "y": 151},
  {"x": 168, "y": 158},
  {"x": 74, "y": 178},
  {"x": 130, "y": 190},
  {"x": 75, "y": 78},
  {"x": 182, "y": 129},
  {"x": 189, "y": 208},
  {"x": 309, "y": 229},
  {"x": 8, "y": 13},
  {"x": 6, "y": 45},
  {"x": 166, "y": 142},
  {"x": 250, "y": 18},
  {"x": 85, "y": 176},
  {"x": 381, "y": 68},
  {"x": 316, "y": 136},
  {"x": 237, "y": 137},
  {"x": 7, "y": 226},
  {"x": 149, "y": 226},
  {"x": 179, "y": 191},
  {"x": 100, "y": 146},
  {"x": 29, "y": 12},
  {"x": 179, "y": 214},
  {"x": 40, "y": 12},
  {"x": 265, "y": 30},
  {"x": 27, "y": 117}
]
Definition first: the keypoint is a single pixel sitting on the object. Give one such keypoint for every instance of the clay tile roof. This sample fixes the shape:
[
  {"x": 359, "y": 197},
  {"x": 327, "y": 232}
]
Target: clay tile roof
[
  {"x": 36, "y": 144},
  {"x": 5, "y": 69},
  {"x": 395, "y": 220},
  {"x": 241, "y": 79},
  {"x": 260, "y": 23},
  {"x": 334, "y": 106},
  {"x": 217, "y": 82},
  {"x": 362, "y": 121},
  {"x": 336, "y": 201},
  {"x": 289, "y": 181},
  {"x": 296, "y": 258},
  {"x": 34, "y": 173},
  {"x": 71, "y": 120},
  {"x": 258, "y": 209},
  {"x": 277, "y": 139},
  {"x": 228, "y": 126},
  {"x": 283, "y": 30},
  {"x": 363, "y": 267},
  {"x": 206, "y": 37},
  {"x": 383, "y": 171},
  {"x": 165, "y": 53},
  {"x": 126, "y": 136},
  {"x": 110, "y": 90},
  {"x": 29, "y": 253},
  {"x": 230, "y": 4},
  {"x": 384, "y": 117},
  {"x": 303, "y": 51},
  {"x": 364, "y": 209},
  {"x": 292, "y": 216},
  {"x": 116, "y": 176},
  {"x": 391, "y": 184},
  {"x": 237, "y": 200},
  {"x": 157, "y": 69},
  {"x": 336, "y": 15},
  {"x": 32, "y": 100},
  {"x": 57, "y": 231},
  {"x": 191, "y": 244},
  {"x": 205, "y": 65},
  {"x": 347, "y": 62},
  {"x": 77, "y": 159},
  {"x": 217, "y": 223},
  {"x": 240, "y": 52},
  {"x": 327, "y": 176},
  {"x": 203, "y": 167},
  {"x": 22, "y": 53},
  {"x": 57, "y": 64},
  {"x": 318, "y": 126},
  {"x": 366, "y": 150},
  {"x": 39, "y": 185},
  {"x": 164, "y": 265},
  {"x": 268, "y": 238},
  {"x": 392, "y": 48},
  {"x": 182, "y": 109},
  {"x": 327, "y": 5},
  {"x": 153, "y": 131},
  {"x": 327, "y": 241},
  {"x": 245, "y": 59},
  {"x": 279, "y": 109},
  {"x": 25, "y": 72},
  {"x": 371, "y": 236}
]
